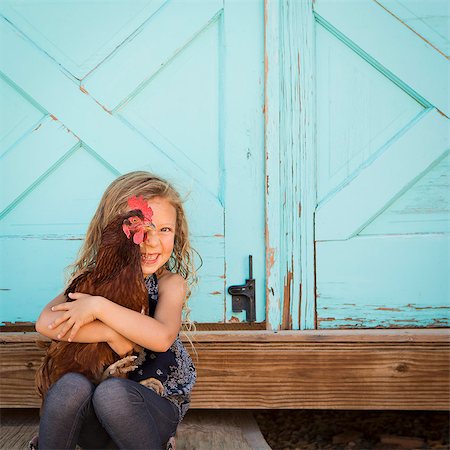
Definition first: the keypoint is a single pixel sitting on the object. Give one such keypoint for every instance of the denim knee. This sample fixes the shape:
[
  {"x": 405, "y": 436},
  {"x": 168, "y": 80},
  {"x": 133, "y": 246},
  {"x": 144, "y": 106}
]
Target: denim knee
[
  {"x": 71, "y": 391},
  {"x": 114, "y": 390}
]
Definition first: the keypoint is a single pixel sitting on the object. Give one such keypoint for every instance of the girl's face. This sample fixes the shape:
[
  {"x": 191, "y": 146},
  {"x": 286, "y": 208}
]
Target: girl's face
[{"x": 157, "y": 247}]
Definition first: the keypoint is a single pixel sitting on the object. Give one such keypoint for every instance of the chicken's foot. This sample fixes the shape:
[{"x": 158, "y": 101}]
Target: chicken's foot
[
  {"x": 120, "y": 368},
  {"x": 154, "y": 384}
]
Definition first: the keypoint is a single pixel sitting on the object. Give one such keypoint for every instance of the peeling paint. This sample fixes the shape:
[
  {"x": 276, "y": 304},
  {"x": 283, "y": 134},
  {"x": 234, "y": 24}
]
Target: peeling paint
[
  {"x": 441, "y": 113},
  {"x": 84, "y": 91},
  {"x": 412, "y": 29},
  {"x": 234, "y": 319},
  {"x": 37, "y": 128},
  {"x": 53, "y": 117},
  {"x": 286, "y": 323},
  {"x": 104, "y": 107},
  {"x": 387, "y": 309},
  {"x": 270, "y": 258},
  {"x": 218, "y": 235},
  {"x": 215, "y": 293},
  {"x": 300, "y": 303}
]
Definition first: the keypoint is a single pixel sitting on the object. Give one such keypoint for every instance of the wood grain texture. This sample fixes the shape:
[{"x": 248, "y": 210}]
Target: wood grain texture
[
  {"x": 200, "y": 430},
  {"x": 329, "y": 369},
  {"x": 289, "y": 149}
]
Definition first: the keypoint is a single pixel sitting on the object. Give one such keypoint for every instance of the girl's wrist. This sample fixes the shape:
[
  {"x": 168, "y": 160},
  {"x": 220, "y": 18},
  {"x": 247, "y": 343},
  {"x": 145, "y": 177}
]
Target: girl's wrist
[
  {"x": 111, "y": 336},
  {"x": 99, "y": 306}
]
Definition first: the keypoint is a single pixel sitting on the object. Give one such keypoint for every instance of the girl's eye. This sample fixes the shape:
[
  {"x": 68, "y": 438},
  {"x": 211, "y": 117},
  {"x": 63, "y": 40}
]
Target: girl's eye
[{"x": 167, "y": 228}]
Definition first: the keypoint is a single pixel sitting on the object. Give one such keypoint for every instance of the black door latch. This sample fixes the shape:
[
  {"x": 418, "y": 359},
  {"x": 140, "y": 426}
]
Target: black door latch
[{"x": 243, "y": 296}]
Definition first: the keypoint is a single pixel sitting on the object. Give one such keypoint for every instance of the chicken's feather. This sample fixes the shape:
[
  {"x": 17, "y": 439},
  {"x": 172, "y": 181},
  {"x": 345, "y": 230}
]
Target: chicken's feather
[{"x": 117, "y": 275}]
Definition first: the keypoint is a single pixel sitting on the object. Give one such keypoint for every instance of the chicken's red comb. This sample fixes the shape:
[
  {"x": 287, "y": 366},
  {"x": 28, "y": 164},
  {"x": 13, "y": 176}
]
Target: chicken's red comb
[{"x": 139, "y": 203}]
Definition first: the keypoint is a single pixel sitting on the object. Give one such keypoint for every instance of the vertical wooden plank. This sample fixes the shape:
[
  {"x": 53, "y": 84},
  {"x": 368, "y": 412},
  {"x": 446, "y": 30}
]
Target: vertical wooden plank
[
  {"x": 272, "y": 162},
  {"x": 290, "y": 153},
  {"x": 307, "y": 164},
  {"x": 241, "y": 148},
  {"x": 289, "y": 164}
]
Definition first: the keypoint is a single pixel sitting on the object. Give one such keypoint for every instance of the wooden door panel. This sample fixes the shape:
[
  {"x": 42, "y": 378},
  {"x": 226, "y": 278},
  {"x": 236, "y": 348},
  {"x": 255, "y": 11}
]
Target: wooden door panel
[
  {"x": 429, "y": 196},
  {"x": 77, "y": 36},
  {"x": 370, "y": 190},
  {"x": 383, "y": 215},
  {"x": 169, "y": 115},
  {"x": 383, "y": 281},
  {"x": 146, "y": 92},
  {"x": 428, "y": 19},
  {"x": 54, "y": 141},
  {"x": 26, "y": 117},
  {"x": 390, "y": 46},
  {"x": 153, "y": 48}
]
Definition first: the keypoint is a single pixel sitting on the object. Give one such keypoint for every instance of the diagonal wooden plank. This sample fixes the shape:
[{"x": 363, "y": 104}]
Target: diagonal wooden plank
[
  {"x": 395, "y": 47},
  {"x": 110, "y": 84},
  {"x": 23, "y": 160},
  {"x": 55, "y": 27},
  {"x": 26, "y": 117},
  {"x": 411, "y": 153},
  {"x": 82, "y": 115}
]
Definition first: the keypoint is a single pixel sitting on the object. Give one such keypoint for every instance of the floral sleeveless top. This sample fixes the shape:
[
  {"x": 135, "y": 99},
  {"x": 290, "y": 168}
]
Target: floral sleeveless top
[{"x": 173, "y": 368}]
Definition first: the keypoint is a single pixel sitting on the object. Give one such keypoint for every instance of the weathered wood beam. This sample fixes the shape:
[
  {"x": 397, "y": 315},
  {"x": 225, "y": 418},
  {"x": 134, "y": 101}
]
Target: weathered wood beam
[{"x": 327, "y": 369}]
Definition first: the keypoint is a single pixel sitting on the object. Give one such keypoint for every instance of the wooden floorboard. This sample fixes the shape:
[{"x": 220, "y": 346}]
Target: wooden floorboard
[{"x": 199, "y": 430}]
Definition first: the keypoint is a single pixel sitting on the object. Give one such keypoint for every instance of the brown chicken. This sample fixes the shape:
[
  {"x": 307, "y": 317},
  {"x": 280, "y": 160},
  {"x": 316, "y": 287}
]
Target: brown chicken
[{"x": 117, "y": 276}]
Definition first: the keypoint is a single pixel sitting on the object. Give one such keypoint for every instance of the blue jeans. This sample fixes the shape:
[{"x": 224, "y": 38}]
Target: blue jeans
[{"x": 118, "y": 413}]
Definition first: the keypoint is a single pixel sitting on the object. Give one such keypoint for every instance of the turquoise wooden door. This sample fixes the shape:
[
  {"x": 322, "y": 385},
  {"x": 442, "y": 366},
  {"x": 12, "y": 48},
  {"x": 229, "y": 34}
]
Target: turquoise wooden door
[
  {"x": 382, "y": 220},
  {"x": 91, "y": 90}
]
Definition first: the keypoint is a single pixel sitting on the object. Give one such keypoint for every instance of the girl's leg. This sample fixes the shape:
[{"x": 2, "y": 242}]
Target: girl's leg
[
  {"x": 135, "y": 417},
  {"x": 67, "y": 411}
]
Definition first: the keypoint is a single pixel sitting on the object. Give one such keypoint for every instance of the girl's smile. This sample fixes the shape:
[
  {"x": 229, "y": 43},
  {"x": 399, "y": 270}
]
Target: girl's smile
[{"x": 149, "y": 259}]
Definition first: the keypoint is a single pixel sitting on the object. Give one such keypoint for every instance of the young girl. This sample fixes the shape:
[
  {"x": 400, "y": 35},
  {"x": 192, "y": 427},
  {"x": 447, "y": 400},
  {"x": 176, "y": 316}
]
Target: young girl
[{"x": 121, "y": 412}]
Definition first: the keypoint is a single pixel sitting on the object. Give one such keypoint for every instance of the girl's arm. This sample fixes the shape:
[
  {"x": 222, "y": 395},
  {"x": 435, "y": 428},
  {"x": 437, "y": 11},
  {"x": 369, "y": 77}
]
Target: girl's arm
[
  {"x": 95, "y": 331},
  {"x": 156, "y": 334}
]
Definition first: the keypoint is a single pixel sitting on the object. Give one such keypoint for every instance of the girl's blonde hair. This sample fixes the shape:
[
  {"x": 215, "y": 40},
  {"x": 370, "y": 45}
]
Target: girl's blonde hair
[{"x": 114, "y": 202}]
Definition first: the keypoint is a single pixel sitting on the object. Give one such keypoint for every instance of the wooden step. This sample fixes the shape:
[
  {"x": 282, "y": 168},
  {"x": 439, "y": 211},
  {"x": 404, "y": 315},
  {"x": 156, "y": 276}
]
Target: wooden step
[
  {"x": 220, "y": 430},
  {"x": 200, "y": 430},
  {"x": 399, "y": 369}
]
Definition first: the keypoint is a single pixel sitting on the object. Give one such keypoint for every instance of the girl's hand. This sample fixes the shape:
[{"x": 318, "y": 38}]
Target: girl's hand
[{"x": 81, "y": 312}]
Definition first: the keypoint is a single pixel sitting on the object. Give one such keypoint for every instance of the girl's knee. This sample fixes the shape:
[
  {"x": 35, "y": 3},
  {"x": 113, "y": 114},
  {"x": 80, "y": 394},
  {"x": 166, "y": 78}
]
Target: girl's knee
[
  {"x": 67, "y": 395},
  {"x": 115, "y": 392},
  {"x": 72, "y": 387}
]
